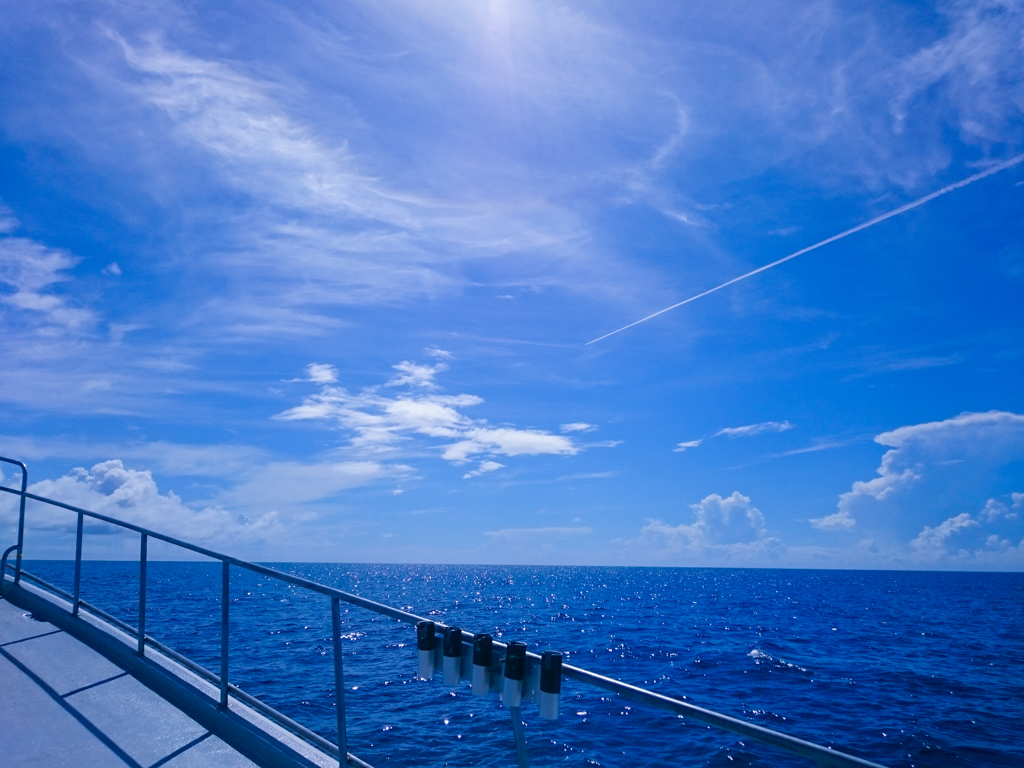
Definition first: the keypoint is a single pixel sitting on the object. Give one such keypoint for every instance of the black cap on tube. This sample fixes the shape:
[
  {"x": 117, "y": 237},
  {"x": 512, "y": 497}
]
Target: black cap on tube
[
  {"x": 551, "y": 672},
  {"x": 453, "y": 642},
  {"x": 515, "y": 660},
  {"x": 482, "y": 650},
  {"x": 425, "y": 635}
]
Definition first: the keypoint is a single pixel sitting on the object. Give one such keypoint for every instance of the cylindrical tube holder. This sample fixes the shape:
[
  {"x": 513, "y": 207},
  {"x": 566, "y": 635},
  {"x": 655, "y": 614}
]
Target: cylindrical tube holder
[
  {"x": 425, "y": 642},
  {"x": 548, "y": 699},
  {"x": 482, "y": 658},
  {"x": 452, "y": 656},
  {"x": 515, "y": 671}
]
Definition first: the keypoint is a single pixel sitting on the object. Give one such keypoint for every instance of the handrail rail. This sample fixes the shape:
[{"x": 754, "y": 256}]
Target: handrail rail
[{"x": 822, "y": 756}]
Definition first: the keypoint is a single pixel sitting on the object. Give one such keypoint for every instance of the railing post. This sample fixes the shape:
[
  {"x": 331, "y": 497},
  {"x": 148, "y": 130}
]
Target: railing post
[
  {"x": 21, "y": 523},
  {"x": 224, "y": 634},
  {"x": 339, "y": 682},
  {"x": 78, "y": 565},
  {"x": 522, "y": 756},
  {"x": 143, "y": 555}
]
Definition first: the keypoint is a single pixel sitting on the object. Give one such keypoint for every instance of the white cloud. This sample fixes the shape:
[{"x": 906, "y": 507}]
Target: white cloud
[
  {"x": 839, "y": 521},
  {"x": 977, "y": 64},
  {"x": 413, "y": 375},
  {"x": 112, "y": 269},
  {"x": 935, "y": 540},
  {"x": 994, "y": 509},
  {"x": 1018, "y": 500},
  {"x": 367, "y": 231},
  {"x": 31, "y": 268},
  {"x": 111, "y": 489},
  {"x": 506, "y": 441},
  {"x": 578, "y": 426},
  {"x": 381, "y": 423},
  {"x": 485, "y": 466},
  {"x": 986, "y": 438},
  {"x": 321, "y": 373},
  {"x": 8, "y": 221},
  {"x": 984, "y": 538},
  {"x": 729, "y": 527},
  {"x": 689, "y": 444},
  {"x": 754, "y": 429}
]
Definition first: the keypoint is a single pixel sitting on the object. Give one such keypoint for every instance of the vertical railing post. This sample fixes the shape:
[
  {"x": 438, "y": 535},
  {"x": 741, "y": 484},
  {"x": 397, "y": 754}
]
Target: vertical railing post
[
  {"x": 21, "y": 523},
  {"x": 224, "y": 634},
  {"x": 143, "y": 557},
  {"x": 339, "y": 682},
  {"x": 522, "y": 756},
  {"x": 78, "y": 565}
]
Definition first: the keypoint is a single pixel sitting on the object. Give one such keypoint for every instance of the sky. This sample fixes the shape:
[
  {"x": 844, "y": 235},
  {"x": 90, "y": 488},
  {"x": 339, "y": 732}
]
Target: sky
[{"x": 317, "y": 281}]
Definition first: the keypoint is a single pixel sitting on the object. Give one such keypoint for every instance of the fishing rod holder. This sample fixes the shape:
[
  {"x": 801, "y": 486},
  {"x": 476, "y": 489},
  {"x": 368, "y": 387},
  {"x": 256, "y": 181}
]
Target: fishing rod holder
[{"x": 490, "y": 667}]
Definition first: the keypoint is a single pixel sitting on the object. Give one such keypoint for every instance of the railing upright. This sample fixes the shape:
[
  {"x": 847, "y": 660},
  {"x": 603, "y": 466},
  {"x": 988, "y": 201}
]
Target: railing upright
[
  {"x": 21, "y": 516},
  {"x": 143, "y": 557},
  {"x": 339, "y": 682},
  {"x": 78, "y": 565},
  {"x": 225, "y": 575}
]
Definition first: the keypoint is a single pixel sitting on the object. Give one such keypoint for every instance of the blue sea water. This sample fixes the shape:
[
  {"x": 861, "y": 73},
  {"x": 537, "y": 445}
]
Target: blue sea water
[{"x": 903, "y": 668}]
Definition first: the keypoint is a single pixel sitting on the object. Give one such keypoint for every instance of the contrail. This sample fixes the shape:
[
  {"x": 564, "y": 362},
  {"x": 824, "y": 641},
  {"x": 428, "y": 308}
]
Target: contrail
[{"x": 896, "y": 212}]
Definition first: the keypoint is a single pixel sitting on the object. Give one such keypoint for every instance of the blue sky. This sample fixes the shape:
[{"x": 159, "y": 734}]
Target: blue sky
[{"x": 317, "y": 282}]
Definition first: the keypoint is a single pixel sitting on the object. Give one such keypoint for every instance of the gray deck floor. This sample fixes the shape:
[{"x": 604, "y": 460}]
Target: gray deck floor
[{"x": 62, "y": 704}]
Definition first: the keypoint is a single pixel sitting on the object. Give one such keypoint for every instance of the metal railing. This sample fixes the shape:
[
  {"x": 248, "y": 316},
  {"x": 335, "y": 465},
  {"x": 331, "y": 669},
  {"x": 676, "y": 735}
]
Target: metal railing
[{"x": 823, "y": 757}]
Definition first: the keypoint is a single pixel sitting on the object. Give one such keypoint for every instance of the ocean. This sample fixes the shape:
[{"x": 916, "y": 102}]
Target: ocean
[{"x": 902, "y": 668}]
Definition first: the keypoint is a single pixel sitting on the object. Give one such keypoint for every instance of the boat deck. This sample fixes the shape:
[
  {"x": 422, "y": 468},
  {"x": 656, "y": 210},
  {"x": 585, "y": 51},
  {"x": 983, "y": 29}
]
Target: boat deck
[{"x": 64, "y": 704}]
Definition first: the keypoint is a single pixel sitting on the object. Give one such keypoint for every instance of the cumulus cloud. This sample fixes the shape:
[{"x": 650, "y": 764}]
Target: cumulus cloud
[
  {"x": 936, "y": 539},
  {"x": 965, "y": 537},
  {"x": 994, "y": 509},
  {"x": 985, "y": 438},
  {"x": 111, "y": 489},
  {"x": 379, "y": 423},
  {"x": 723, "y": 527},
  {"x": 754, "y": 429},
  {"x": 112, "y": 269}
]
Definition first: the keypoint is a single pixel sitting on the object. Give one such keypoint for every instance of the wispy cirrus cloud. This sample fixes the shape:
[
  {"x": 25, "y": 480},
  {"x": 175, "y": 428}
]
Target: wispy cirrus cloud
[
  {"x": 746, "y": 431},
  {"x": 754, "y": 429},
  {"x": 578, "y": 426},
  {"x": 30, "y": 270}
]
